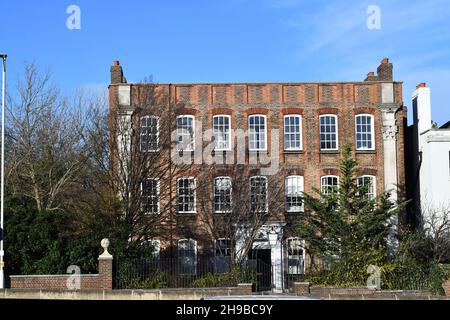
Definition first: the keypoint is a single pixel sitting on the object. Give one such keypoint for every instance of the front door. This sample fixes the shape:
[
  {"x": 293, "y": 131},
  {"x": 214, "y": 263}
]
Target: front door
[{"x": 261, "y": 259}]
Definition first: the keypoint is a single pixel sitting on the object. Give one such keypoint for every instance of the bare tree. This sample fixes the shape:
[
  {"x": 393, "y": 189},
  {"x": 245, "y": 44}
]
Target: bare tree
[
  {"x": 45, "y": 133},
  {"x": 238, "y": 211},
  {"x": 131, "y": 160},
  {"x": 436, "y": 224}
]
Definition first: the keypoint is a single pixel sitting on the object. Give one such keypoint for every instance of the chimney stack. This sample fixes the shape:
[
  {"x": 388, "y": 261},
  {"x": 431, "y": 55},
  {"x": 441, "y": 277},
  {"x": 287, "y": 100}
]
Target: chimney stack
[
  {"x": 385, "y": 70},
  {"x": 371, "y": 76},
  {"x": 421, "y": 102},
  {"x": 117, "y": 73}
]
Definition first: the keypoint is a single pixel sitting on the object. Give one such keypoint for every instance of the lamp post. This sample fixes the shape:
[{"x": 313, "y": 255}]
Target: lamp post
[{"x": 2, "y": 185}]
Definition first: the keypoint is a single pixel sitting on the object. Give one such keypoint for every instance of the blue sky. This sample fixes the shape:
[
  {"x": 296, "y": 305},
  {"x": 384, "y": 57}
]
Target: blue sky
[{"x": 232, "y": 41}]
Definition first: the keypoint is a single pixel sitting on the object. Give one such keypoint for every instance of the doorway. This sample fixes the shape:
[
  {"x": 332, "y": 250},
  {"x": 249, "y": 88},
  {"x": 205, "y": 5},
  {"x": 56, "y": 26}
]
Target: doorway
[{"x": 261, "y": 262}]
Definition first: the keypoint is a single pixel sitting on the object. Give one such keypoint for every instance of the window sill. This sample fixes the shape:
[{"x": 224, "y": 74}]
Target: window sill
[
  {"x": 329, "y": 151},
  {"x": 186, "y": 214},
  {"x": 293, "y": 152},
  {"x": 292, "y": 213},
  {"x": 366, "y": 151}
]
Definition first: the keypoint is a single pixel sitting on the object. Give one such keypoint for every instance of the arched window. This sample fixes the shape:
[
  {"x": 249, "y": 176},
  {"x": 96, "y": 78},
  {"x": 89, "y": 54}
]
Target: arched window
[
  {"x": 368, "y": 181},
  {"x": 329, "y": 184}
]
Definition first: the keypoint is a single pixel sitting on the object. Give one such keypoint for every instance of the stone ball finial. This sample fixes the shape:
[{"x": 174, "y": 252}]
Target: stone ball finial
[{"x": 105, "y": 244}]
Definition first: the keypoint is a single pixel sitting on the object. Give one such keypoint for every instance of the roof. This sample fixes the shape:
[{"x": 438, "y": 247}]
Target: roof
[{"x": 445, "y": 126}]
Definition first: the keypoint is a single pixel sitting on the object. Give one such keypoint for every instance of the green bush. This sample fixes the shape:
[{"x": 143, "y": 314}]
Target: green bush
[{"x": 229, "y": 279}]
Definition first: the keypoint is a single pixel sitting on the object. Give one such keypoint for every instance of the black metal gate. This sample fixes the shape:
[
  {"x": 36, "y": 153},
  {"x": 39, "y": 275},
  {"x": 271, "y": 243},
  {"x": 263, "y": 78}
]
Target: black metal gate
[{"x": 260, "y": 262}]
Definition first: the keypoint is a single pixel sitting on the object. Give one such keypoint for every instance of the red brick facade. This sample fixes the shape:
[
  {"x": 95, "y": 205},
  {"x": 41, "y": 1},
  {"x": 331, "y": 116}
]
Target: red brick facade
[{"x": 275, "y": 100}]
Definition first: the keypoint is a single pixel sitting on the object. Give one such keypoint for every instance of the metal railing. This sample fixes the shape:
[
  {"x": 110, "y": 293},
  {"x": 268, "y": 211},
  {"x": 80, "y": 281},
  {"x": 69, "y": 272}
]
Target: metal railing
[{"x": 182, "y": 272}]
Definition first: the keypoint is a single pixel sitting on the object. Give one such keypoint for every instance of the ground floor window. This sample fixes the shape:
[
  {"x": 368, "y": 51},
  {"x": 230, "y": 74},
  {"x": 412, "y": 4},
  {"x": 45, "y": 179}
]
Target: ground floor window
[
  {"x": 296, "y": 256},
  {"x": 187, "y": 256},
  {"x": 222, "y": 255}
]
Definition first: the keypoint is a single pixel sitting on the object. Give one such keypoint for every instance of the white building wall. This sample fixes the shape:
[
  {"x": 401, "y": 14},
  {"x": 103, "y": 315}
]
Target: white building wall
[{"x": 435, "y": 170}]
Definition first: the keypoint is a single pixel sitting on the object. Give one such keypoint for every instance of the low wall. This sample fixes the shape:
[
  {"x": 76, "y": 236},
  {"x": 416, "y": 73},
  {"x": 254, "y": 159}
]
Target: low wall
[
  {"x": 101, "y": 281},
  {"x": 357, "y": 293},
  {"x": 163, "y": 294},
  {"x": 54, "y": 282}
]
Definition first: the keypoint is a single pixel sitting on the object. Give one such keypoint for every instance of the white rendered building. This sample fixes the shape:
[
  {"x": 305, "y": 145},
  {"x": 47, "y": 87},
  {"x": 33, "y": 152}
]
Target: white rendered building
[{"x": 432, "y": 150}]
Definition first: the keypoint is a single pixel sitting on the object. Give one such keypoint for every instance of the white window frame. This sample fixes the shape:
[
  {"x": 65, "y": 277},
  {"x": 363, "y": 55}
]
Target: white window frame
[
  {"x": 322, "y": 186},
  {"x": 181, "y": 262},
  {"x": 157, "y": 195},
  {"x": 301, "y": 185},
  {"x": 217, "y": 194},
  {"x": 372, "y": 194},
  {"x": 223, "y": 256},
  {"x": 372, "y": 131},
  {"x": 266, "y": 209},
  {"x": 216, "y": 133},
  {"x": 320, "y": 132},
  {"x": 252, "y": 134},
  {"x": 147, "y": 135},
  {"x": 299, "y": 132},
  {"x": 195, "y": 195},
  {"x": 181, "y": 132},
  {"x": 289, "y": 270}
]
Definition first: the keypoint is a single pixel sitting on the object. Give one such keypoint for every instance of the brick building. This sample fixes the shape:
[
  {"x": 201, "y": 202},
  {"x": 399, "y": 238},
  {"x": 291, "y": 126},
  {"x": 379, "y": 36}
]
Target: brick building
[{"x": 287, "y": 133}]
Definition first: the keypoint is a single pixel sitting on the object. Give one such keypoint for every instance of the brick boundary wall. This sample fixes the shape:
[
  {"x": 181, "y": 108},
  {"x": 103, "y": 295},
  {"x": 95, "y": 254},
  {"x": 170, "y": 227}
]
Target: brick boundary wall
[{"x": 101, "y": 281}]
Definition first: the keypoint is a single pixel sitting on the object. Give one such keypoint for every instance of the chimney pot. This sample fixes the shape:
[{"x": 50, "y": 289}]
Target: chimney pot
[
  {"x": 116, "y": 63},
  {"x": 385, "y": 60},
  {"x": 421, "y": 85},
  {"x": 371, "y": 74}
]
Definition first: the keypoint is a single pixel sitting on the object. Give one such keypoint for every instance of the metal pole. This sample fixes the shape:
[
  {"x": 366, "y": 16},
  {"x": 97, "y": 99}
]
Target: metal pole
[{"x": 2, "y": 186}]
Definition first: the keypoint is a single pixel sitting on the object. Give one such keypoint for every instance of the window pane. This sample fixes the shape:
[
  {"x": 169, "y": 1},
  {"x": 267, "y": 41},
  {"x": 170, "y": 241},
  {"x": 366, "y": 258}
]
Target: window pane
[
  {"x": 185, "y": 133},
  {"x": 149, "y": 139},
  {"x": 369, "y": 182},
  {"x": 187, "y": 256},
  {"x": 292, "y": 133},
  {"x": 222, "y": 194},
  {"x": 221, "y": 132},
  {"x": 150, "y": 196},
  {"x": 294, "y": 194},
  {"x": 186, "y": 195},
  {"x": 257, "y": 133},
  {"x": 329, "y": 184},
  {"x": 364, "y": 136},
  {"x": 328, "y": 132},
  {"x": 296, "y": 262},
  {"x": 258, "y": 194}
]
